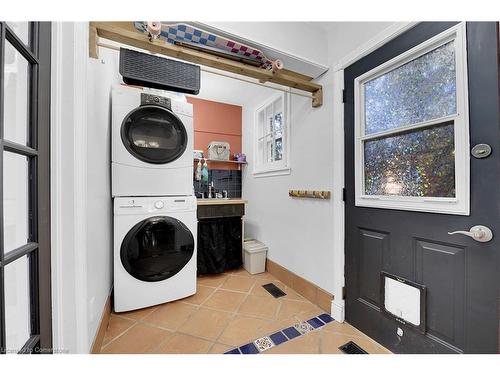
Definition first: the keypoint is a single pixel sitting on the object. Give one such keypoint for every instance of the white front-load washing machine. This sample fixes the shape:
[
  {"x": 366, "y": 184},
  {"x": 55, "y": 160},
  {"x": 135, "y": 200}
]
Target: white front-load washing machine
[
  {"x": 154, "y": 250},
  {"x": 152, "y": 144}
]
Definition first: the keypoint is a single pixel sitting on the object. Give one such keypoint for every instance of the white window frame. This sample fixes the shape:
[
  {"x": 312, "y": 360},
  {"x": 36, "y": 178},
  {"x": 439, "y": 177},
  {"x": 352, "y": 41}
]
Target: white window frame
[
  {"x": 275, "y": 168},
  {"x": 460, "y": 205}
]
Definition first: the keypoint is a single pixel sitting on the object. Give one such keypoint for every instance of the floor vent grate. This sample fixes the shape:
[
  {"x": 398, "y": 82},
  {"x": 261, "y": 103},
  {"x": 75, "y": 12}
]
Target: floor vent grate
[
  {"x": 274, "y": 290},
  {"x": 352, "y": 348}
]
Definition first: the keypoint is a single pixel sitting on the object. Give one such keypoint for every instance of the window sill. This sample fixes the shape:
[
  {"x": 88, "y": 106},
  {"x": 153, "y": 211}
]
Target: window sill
[{"x": 272, "y": 172}]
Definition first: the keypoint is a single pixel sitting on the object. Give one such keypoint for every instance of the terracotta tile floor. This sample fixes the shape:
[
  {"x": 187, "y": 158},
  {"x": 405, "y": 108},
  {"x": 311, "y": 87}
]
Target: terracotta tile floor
[{"x": 228, "y": 310}]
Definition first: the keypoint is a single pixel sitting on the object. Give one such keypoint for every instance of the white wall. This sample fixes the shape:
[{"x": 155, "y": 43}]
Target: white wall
[
  {"x": 102, "y": 75},
  {"x": 345, "y": 37}
]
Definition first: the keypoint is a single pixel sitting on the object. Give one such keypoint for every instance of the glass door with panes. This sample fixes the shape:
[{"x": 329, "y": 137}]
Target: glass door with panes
[{"x": 25, "y": 321}]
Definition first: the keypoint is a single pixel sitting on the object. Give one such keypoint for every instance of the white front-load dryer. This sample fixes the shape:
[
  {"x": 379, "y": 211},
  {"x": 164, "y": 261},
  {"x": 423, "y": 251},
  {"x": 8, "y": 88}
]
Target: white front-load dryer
[
  {"x": 152, "y": 144},
  {"x": 154, "y": 250}
]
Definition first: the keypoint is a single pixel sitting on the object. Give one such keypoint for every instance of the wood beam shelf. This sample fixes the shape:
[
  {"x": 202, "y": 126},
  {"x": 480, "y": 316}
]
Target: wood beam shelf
[{"x": 125, "y": 33}]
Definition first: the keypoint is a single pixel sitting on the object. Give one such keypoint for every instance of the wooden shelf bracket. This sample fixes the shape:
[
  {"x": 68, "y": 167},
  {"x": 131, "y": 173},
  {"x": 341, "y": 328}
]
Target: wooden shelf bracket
[{"x": 125, "y": 33}]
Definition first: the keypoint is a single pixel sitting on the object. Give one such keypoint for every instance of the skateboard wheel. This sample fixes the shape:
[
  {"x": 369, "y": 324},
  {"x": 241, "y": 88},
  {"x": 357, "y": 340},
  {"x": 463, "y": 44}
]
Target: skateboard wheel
[
  {"x": 154, "y": 29},
  {"x": 277, "y": 65}
]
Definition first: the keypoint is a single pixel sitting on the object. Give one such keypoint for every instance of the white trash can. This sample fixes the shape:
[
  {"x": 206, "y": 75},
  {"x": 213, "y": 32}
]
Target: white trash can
[{"x": 254, "y": 256}]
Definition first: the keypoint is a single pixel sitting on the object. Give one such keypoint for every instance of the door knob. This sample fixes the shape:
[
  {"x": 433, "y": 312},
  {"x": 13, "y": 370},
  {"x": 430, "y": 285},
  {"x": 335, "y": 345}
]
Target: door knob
[{"x": 477, "y": 232}]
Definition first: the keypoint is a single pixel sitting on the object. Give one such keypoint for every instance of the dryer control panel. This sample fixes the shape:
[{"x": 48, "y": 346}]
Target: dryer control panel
[{"x": 149, "y": 99}]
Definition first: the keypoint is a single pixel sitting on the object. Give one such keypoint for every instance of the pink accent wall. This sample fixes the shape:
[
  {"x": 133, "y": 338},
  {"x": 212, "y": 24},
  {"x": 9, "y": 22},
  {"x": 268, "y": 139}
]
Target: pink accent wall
[{"x": 214, "y": 121}]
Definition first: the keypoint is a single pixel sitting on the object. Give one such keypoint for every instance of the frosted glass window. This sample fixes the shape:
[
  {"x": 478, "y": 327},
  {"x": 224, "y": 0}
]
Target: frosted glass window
[
  {"x": 17, "y": 304},
  {"x": 16, "y": 96},
  {"x": 15, "y": 200},
  {"x": 420, "y": 90},
  {"x": 419, "y": 163}
]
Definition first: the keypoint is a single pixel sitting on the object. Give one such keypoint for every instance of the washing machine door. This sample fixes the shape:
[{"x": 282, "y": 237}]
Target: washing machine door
[
  {"x": 157, "y": 248},
  {"x": 154, "y": 134}
]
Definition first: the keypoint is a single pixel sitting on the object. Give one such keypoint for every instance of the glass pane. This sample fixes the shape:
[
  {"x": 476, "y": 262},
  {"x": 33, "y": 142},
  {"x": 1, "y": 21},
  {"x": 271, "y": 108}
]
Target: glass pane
[
  {"x": 16, "y": 95},
  {"x": 420, "y": 163},
  {"x": 21, "y": 29},
  {"x": 421, "y": 90},
  {"x": 15, "y": 200},
  {"x": 17, "y": 304}
]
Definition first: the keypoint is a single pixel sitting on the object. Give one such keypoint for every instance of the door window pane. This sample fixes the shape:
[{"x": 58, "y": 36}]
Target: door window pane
[
  {"x": 17, "y": 304},
  {"x": 420, "y": 90},
  {"x": 21, "y": 29},
  {"x": 15, "y": 200},
  {"x": 16, "y": 96},
  {"x": 419, "y": 163}
]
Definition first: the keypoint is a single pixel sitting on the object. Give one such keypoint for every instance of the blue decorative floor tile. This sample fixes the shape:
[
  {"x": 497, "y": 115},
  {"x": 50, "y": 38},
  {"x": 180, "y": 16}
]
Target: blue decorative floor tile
[
  {"x": 326, "y": 318},
  {"x": 233, "y": 351},
  {"x": 249, "y": 349},
  {"x": 298, "y": 329},
  {"x": 278, "y": 338},
  {"x": 291, "y": 332},
  {"x": 315, "y": 323}
]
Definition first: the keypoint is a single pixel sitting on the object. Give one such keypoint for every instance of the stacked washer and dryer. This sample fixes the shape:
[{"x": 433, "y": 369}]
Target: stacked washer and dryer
[{"x": 155, "y": 225}]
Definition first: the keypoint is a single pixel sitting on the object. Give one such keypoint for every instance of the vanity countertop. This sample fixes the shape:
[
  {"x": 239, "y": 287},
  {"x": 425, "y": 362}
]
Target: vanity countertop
[{"x": 208, "y": 202}]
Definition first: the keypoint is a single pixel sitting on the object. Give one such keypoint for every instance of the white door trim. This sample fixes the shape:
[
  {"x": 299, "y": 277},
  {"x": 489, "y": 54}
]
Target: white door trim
[
  {"x": 68, "y": 186},
  {"x": 388, "y": 34}
]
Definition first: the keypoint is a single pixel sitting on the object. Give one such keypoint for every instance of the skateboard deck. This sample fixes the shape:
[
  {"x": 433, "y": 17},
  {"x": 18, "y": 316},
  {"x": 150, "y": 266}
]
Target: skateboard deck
[{"x": 194, "y": 37}]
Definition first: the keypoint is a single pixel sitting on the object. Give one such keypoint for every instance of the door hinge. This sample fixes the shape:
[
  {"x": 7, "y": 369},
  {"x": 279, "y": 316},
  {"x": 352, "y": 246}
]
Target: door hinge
[
  {"x": 344, "y": 96},
  {"x": 344, "y": 194},
  {"x": 344, "y": 293}
]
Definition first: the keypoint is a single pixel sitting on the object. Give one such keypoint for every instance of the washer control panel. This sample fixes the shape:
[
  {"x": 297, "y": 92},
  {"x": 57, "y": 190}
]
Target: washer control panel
[{"x": 159, "y": 205}]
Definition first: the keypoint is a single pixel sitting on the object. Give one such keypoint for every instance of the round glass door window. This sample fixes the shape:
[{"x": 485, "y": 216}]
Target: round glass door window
[
  {"x": 154, "y": 134},
  {"x": 157, "y": 248}
]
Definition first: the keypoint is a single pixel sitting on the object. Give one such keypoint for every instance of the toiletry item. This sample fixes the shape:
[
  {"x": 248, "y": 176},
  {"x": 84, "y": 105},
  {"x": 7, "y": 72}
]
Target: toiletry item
[
  {"x": 240, "y": 157},
  {"x": 204, "y": 171},
  {"x": 197, "y": 175}
]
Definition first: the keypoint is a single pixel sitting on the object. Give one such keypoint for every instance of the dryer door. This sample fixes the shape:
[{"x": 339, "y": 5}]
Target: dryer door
[
  {"x": 154, "y": 134},
  {"x": 157, "y": 248}
]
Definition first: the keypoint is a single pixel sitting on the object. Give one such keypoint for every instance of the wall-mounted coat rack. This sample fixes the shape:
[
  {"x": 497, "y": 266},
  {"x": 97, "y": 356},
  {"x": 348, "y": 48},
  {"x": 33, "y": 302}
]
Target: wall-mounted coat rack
[
  {"x": 318, "y": 194},
  {"x": 126, "y": 33}
]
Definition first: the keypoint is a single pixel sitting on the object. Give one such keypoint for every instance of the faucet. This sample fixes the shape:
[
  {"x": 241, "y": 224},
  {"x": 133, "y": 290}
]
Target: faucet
[{"x": 210, "y": 188}]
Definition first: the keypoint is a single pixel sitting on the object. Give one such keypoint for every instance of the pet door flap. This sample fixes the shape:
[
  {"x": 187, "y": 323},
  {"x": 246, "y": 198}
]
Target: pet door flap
[{"x": 404, "y": 300}]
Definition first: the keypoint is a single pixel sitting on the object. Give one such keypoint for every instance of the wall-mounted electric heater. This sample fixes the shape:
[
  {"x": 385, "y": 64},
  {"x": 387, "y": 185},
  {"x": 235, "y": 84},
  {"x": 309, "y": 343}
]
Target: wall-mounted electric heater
[{"x": 147, "y": 70}]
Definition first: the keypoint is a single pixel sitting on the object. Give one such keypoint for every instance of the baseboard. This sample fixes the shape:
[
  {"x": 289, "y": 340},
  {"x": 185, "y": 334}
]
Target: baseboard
[
  {"x": 338, "y": 311},
  {"x": 103, "y": 325},
  {"x": 306, "y": 288}
]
